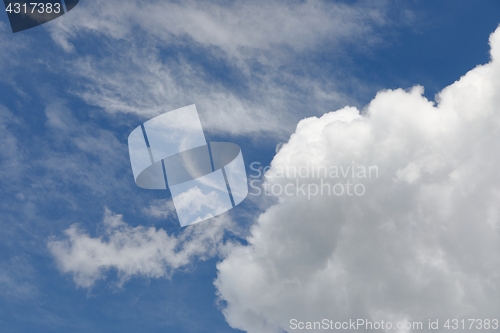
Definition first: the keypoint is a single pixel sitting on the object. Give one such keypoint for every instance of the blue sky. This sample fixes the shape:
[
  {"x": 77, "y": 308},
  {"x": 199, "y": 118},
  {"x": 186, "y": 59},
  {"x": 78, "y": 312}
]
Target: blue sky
[{"x": 73, "y": 89}]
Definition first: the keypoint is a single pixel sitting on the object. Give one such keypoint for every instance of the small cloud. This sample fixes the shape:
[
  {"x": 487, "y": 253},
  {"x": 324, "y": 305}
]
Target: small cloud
[
  {"x": 133, "y": 251},
  {"x": 161, "y": 209}
]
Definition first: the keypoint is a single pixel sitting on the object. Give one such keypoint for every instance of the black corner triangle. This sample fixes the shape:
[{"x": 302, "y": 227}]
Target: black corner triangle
[{"x": 70, "y": 4}]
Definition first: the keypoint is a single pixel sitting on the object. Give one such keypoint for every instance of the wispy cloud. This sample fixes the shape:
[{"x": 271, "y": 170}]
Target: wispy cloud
[
  {"x": 235, "y": 27},
  {"x": 16, "y": 280},
  {"x": 11, "y": 154},
  {"x": 160, "y": 209},
  {"x": 246, "y": 65}
]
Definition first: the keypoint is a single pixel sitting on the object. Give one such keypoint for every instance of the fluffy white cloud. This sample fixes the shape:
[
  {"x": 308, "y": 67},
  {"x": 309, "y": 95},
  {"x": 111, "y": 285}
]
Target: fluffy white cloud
[
  {"x": 422, "y": 243},
  {"x": 133, "y": 250}
]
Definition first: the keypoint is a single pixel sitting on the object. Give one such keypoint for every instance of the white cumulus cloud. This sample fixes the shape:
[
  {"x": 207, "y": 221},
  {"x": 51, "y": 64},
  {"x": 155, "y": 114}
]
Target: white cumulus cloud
[
  {"x": 133, "y": 251},
  {"x": 422, "y": 243}
]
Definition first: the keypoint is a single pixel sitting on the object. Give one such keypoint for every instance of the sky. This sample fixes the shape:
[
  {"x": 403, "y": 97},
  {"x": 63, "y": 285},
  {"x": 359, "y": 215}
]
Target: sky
[{"x": 411, "y": 88}]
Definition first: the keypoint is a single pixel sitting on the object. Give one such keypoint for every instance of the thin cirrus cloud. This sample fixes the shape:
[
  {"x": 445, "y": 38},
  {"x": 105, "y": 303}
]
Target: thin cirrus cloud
[
  {"x": 263, "y": 44},
  {"x": 10, "y": 152},
  {"x": 423, "y": 241},
  {"x": 235, "y": 27}
]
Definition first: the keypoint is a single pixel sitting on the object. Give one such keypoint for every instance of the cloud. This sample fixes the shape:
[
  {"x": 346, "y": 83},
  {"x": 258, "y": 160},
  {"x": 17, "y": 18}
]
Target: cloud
[
  {"x": 160, "y": 209},
  {"x": 235, "y": 27},
  {"x": 77, "y": 153},
  {"x": 10, "y": 151},
  {"x": 244, "y": 64},
  {"x": 10, "y": 49},
  {"x": 16, "y": 280},
  {"x": 133, "y": 251},
  {"x": 421, "y": 243}
]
